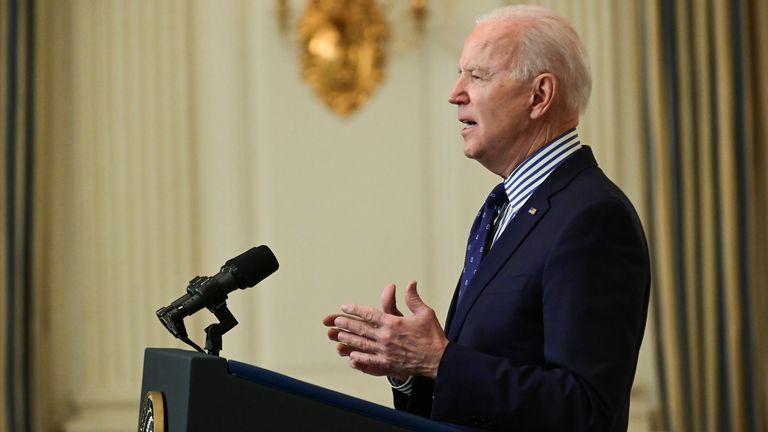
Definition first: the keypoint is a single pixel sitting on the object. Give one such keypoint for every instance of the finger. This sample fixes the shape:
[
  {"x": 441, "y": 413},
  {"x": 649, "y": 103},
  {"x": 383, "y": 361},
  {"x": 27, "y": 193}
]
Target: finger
[
  {"x": 366, "y": 368},
  {"x": 328, "y": 320},
  {"x": 389, "y": 301},
  {"x": 366, "y": 313},
  {"x": 359, "y": 343},
  {"x": 333, "y": 334},
  {"x": 368, "y": 363},
  {"x": 344, "y": 350},
  {"x": 412, "y": 298},
  {"x": 356, "y": 326}
]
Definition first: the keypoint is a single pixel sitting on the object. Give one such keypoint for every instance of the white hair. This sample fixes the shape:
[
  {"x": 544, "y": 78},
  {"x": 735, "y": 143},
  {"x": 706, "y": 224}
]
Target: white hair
[{"x": 548, "y": 43}]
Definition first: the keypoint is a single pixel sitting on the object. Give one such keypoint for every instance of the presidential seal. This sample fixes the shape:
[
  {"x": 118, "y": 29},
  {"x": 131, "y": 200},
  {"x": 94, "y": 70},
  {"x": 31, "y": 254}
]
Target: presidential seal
[{"x": 152, "y": 417}]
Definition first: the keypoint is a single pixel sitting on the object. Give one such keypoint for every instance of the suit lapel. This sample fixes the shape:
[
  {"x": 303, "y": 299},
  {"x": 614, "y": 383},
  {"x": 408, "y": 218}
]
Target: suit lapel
[
  {"x": 517, "y": 230},
  {"x": 452, "y": 309},
  {"x": 505, "y": 246}
]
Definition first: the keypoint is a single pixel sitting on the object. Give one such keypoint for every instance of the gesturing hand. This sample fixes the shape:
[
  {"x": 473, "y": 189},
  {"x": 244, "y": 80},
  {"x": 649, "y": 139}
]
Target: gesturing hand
[{"x": 387, "y": 343}]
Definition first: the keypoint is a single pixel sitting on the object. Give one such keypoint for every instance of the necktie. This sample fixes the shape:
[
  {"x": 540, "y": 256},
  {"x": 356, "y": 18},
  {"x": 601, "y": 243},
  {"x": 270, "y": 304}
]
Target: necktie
[{"x": 478, "y": 235}]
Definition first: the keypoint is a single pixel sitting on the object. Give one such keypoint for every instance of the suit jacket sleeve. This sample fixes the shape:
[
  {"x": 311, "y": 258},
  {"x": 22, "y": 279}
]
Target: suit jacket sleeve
[
  {"x": 594, "y": 295},
  {"x": 419, "y": 402}
]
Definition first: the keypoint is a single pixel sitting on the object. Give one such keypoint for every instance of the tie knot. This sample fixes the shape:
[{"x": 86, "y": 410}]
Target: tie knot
[{"x": 497, "y": 197}]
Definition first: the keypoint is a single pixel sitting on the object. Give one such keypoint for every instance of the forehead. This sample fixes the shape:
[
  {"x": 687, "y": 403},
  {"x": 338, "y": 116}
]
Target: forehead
[{"x": 489, "y": 46}]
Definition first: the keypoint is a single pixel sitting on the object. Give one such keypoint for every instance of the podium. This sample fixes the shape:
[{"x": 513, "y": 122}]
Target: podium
[{"x": 197, "y": 392}]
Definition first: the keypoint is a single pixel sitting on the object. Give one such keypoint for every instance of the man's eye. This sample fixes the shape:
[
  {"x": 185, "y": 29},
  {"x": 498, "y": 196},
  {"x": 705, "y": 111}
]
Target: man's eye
[{"x": 476, "y": 77}]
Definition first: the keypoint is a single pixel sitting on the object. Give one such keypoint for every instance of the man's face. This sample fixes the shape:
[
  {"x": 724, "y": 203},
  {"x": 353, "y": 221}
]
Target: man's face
[{"x": 493, "y": 107}]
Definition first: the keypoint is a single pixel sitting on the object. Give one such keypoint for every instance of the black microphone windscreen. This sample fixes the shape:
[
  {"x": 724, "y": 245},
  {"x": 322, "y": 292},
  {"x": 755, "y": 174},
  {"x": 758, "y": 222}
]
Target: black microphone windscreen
[{"x": 253, "y": 265}]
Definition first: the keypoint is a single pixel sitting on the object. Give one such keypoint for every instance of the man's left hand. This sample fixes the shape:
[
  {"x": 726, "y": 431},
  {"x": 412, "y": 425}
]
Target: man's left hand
[{"x": 386, "y": 343}]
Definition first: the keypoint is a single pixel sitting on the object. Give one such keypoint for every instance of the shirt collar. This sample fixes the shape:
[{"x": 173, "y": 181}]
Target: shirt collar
[{"x": 541, "y": 161}]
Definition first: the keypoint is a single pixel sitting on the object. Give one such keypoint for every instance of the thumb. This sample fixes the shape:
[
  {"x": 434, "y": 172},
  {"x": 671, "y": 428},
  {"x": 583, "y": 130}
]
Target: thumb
[
  {"x": 388, "y": 302},
  {"x": 412, "y": 298}
]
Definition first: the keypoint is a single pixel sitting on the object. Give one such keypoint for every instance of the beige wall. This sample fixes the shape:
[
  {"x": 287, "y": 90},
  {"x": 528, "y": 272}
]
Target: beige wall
[{"x": 176, "y": 134}]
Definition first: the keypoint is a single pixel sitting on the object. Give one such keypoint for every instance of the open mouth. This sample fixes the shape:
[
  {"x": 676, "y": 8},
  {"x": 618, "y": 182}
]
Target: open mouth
[{"x": 468, "y": 124}]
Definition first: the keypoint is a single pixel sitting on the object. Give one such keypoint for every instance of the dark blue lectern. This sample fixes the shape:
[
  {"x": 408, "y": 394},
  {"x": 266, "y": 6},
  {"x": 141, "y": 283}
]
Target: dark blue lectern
[{"x": 206, "y": 393}]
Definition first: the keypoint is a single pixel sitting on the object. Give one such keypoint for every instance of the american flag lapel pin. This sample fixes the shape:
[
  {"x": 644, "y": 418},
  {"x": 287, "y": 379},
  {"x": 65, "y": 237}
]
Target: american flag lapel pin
[{"x": 532, "y": 210}]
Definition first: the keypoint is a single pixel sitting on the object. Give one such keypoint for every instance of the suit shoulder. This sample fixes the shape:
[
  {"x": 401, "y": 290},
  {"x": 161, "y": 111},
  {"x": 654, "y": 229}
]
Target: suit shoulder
[{"x": 591, "y": 187}]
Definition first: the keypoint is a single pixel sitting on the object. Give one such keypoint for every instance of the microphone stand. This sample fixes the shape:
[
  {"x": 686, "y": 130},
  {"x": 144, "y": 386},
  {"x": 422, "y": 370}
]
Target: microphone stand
[
  {"x": 213, "y": 333},
  {"x": 174, "y": 322}
]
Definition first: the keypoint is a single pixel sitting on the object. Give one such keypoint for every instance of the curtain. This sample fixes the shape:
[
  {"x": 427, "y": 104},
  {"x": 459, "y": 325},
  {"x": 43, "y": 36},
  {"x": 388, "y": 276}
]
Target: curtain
[
  {"x": 705, "y": 98},
  {"x": 16, "y": 99}
]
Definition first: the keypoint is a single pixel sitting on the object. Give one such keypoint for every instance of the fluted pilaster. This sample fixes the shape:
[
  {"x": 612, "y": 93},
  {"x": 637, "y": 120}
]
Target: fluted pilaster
[{"x": 132, "y": 209}]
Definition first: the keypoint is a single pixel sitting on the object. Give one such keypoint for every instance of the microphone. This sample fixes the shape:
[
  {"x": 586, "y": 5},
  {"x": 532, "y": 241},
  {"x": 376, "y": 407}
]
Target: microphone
[{"x": 242, "y": 271}]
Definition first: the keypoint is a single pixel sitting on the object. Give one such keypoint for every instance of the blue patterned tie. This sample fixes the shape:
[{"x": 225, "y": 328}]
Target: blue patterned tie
[{"x": 478, "y": 235}]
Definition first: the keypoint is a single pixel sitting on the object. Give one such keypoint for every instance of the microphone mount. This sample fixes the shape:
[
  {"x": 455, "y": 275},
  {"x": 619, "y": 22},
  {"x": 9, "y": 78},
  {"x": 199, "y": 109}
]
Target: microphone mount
[
  {"x": 210, "y": 292},
  {"x": 172, "y": 316},
  {"x": 214, "y": 332}
]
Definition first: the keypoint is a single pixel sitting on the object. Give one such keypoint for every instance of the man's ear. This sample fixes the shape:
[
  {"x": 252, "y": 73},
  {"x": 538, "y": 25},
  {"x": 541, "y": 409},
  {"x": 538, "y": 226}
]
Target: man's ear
[{"x": 543, "y": 89}]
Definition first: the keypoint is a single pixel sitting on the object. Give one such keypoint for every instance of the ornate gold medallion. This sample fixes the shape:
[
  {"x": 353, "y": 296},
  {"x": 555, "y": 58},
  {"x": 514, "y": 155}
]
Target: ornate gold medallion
[
  {"x": 152, "y": 417},
  {"x": 342, "y": 51}
]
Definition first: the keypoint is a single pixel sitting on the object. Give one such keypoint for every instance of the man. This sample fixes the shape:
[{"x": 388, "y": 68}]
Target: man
[{"x": 546, "y": 322}]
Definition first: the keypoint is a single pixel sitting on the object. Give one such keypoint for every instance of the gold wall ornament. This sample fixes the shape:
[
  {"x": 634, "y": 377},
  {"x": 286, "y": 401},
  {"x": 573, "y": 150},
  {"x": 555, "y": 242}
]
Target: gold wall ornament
[
  {"x": 342, "y": 45},
  {"x": 419, "y": 12}
]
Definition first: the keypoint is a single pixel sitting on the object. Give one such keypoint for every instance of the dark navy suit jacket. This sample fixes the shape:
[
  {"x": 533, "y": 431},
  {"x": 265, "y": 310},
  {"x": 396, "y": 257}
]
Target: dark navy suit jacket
[{"x": 548, "y": 334}]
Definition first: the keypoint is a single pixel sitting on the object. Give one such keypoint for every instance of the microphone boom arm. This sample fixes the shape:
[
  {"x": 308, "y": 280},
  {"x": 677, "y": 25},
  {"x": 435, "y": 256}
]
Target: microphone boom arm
[{"x": 214, "y": 332}]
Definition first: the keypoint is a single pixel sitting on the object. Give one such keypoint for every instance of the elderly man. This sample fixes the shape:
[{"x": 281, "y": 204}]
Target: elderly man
[{"x": 547, "y": 319}]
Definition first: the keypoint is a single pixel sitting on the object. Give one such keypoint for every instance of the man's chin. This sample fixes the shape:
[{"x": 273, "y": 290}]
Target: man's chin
[{"x": 471, "y": 152}]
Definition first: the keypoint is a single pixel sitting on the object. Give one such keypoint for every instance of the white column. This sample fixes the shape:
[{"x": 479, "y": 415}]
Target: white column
[{"x": 133, "y": 199}]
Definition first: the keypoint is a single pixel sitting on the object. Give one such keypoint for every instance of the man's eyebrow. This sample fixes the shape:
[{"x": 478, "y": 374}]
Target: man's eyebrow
[{"x": 473, "y": 68}]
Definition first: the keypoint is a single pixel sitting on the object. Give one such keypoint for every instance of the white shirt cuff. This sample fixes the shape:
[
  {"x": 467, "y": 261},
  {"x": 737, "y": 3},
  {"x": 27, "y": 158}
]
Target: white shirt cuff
[{"x": 402, "y": 386}]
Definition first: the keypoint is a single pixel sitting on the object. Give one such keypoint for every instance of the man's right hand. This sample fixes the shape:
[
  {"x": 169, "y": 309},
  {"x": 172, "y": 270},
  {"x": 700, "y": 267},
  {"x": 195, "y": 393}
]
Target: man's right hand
[{"x": 384, "y": 342}]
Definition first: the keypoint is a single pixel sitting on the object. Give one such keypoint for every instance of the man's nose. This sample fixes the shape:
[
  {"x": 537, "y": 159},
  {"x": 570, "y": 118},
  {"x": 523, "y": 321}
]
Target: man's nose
[{"x": 458, "y": 95}]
